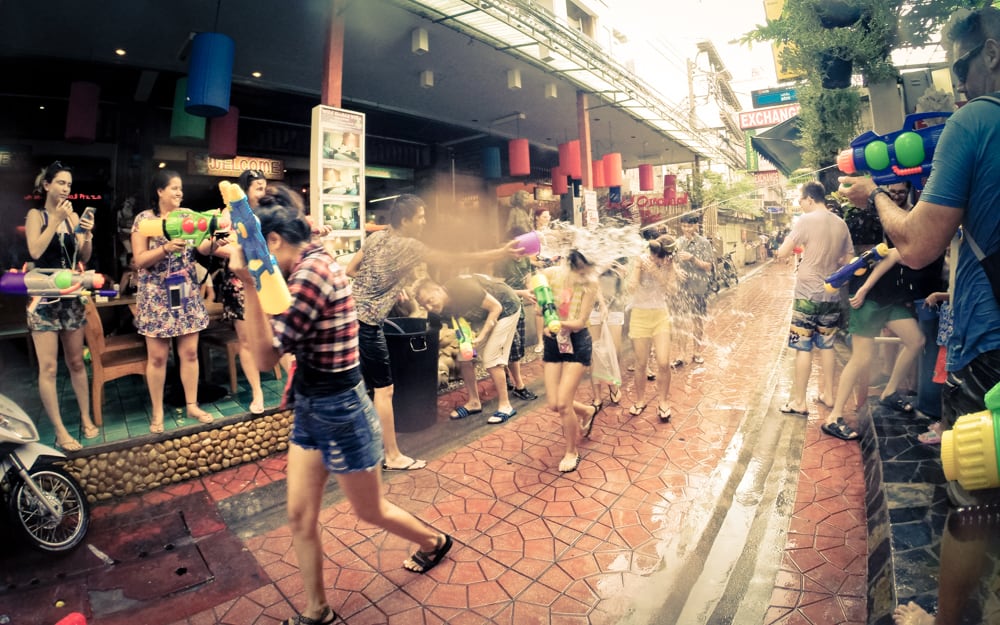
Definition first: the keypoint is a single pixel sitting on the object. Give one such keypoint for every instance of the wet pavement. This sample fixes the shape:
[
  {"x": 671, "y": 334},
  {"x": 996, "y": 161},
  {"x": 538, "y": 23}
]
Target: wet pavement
[{"x": 731, "y": 513}]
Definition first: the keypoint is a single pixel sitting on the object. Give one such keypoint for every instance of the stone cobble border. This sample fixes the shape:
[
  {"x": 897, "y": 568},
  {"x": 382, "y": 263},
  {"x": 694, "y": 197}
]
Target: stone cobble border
[{"x": 138, "y": 466}]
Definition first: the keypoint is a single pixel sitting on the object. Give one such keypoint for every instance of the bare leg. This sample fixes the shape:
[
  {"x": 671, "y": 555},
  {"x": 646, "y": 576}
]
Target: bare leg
[
  {"x": 72, "y": 342},
  {"x": 800, "y": 380},
  {"x": 47, "y": 352},
  {"x": 500, "y": 381},
  {"x": 662, "y": 344},
  {"x": 364, "y": 490},
  {"x": 641, "y": 349},
  {"x": 565, "y": 378},
  {"x": 187, "y": 352},
  {"x": 387, "y": 417},
  {"x": 862, "y": 352},
  {"x": 306, "y": 478},
  {"x": 515, "y": 374},
  {"x": 249, "y": 366},
  {"x": 157, "y": 352},
  {"x": 467, "y": 369},
  {"x": 913, "y": 343}
]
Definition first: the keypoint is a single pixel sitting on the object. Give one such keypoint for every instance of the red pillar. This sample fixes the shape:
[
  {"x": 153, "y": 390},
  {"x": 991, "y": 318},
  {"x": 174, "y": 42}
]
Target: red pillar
[{"x": 333, "y": 60}]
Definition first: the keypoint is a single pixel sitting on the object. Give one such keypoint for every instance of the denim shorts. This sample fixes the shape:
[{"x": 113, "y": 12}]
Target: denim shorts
[
  {"x": 344, "y": 426},
  {"x": 583, "y": 348}
]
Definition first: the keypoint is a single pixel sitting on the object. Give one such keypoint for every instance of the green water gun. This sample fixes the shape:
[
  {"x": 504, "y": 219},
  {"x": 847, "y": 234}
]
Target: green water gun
[
  {"x": 539, "y": 284},
  {"x": 465, "y": 337}
]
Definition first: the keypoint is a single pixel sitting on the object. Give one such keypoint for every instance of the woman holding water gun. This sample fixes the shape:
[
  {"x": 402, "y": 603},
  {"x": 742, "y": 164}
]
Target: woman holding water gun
[
  {"x": 169, "y": 304},
  {"x": 229, "y": 292},
  {"x": 58, "y": 238},
  {"x": 568, "y": 348}
]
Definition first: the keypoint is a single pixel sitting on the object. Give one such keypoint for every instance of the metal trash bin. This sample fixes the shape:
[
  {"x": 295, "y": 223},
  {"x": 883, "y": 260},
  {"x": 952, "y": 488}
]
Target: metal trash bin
[{"x": 413, "y": 345}]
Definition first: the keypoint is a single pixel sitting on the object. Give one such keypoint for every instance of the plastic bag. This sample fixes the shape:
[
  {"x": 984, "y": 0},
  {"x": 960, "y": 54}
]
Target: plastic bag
[{"x": 604, "y": 365}]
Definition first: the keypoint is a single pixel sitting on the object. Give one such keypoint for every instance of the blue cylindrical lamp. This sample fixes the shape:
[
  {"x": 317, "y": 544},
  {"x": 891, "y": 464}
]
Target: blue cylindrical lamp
[
  {"x": 491, "y": 163},
  {"x": 210, "y": 75}
]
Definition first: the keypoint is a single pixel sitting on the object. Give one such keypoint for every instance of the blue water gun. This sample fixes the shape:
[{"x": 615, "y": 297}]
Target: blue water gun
[
  {"x": 898, "y": 156},
  {"x": 270, "y": 284},
  {"x": 857, "y": 267}
]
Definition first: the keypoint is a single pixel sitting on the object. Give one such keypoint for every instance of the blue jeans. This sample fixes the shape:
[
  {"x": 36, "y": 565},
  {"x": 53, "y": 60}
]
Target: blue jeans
[{"x": 344, "y": 426}]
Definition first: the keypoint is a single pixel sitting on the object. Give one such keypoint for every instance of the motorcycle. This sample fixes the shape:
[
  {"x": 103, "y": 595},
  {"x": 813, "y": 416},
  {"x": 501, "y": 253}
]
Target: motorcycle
[
  {"x": 724, "y": 273},
  {"x": 46, "y": 505}
]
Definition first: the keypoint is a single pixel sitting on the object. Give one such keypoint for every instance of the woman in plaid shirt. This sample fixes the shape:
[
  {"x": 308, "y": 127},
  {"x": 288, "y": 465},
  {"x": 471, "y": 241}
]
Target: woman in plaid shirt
[{"x": 336, "y": 429}]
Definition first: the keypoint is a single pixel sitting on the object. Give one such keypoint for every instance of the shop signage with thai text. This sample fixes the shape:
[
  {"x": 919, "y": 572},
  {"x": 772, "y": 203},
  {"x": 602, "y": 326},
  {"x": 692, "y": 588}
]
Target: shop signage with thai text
[{"x": 763, "y": 118}]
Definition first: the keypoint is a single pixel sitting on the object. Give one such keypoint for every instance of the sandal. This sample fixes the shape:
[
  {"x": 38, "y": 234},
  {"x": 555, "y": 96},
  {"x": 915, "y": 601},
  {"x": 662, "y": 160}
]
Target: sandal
[
  {"x": 257, "y": 407},
  {"x": 156, "y": 428},
  {"x": 326, "y": 617},
  {"x": 462, "y": 412},
  {"x": 930, "y": 437},
  {"x": 616, "y": 395},
  {"x": 204, "y": 417},
  {"x": 91, "y": 432},
  {"x": 897, "y": 403},
  {"x": 569, "y": 467},
  {"x": 501, "y": 417},
  {"x": 840, "y": 430},
  {"x": 70, "y": 445},
  {"x": 664, "y": 415},
  {"x": 636, "y": 409},
  {"x": 427, "y": 561},
  {"x": 589, "y": 425}
]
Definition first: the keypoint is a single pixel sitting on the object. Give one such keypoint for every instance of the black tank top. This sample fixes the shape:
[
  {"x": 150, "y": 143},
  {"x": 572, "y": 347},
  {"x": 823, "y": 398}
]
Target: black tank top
[{"x": 61, "y": 250}]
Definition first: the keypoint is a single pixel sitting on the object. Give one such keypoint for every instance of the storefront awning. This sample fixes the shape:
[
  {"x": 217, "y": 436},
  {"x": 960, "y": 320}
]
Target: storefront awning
[{"x": 779, "y": 145}]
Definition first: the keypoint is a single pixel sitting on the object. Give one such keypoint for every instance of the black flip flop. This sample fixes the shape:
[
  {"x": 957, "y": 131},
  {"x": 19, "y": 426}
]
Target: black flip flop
[
  {"x": 326, "y": 617},
  {"x": 840, "y": 430},
  {"x": 427, "y": 561},
  {"x": 590, "y": 424}
]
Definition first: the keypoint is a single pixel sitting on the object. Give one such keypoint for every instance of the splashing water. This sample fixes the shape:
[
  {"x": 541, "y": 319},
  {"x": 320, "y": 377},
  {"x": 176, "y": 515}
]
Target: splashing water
[{"x": 605, "y": 248}]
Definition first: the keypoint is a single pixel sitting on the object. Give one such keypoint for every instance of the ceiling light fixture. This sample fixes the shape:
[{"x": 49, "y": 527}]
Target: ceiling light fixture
[
  {"x": 120, "y": 51},
  {"x": 256, "y": 74},
  {"x": 513, "y": 79},
  {"x": 418, "y": 42},
  {"x": 513, "y": 117},
  {"x": 427, "y": 79}
]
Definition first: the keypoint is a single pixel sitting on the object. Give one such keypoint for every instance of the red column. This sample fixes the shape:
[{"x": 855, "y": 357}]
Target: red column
[{"x": 333, "y": 60}]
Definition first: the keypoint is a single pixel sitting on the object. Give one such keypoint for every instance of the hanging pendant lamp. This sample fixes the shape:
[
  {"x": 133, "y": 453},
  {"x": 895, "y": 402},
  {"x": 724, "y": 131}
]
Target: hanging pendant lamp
[
  {"x": 569, "y": 159},
  {"x": 210, "y": 75},
  {"x": 81, "y": 114},
  {"x": 491, "y": 163},
  {"x": 613, "y": 169},
  {"x": 183, "y": 125},
  {"x": 222, "y": 133},
  {"x": 520, "y": 157},
  {"x": 645, "y": 177},
  {"x": 598, "y": 174},
  {"x": 560, "y": 183}
]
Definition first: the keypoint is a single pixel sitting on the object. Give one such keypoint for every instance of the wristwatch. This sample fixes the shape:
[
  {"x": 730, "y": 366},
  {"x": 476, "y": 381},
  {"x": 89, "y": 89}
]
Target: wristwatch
[{"x": 876, "y": 191}]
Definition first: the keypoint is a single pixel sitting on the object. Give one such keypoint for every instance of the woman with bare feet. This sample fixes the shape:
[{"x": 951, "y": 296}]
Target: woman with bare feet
[
  {"x": 567, "y": 353},
  {"x": 652, "y": 283},
  {"x": 168, "y": 301},
  {"x": 59, "y": 238}
]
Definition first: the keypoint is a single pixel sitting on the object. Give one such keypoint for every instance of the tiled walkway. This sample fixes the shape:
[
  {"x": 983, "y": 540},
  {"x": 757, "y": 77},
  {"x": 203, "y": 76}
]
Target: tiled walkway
[{"x": 609, "y": 543}]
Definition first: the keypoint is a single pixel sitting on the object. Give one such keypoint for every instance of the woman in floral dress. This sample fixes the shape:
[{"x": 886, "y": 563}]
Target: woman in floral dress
[{"x": 169, "y": 304}]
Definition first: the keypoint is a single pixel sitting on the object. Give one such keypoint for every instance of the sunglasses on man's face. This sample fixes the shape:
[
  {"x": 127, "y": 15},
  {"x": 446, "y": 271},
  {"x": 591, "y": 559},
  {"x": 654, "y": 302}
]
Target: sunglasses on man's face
[{"x": 961, "y": 65}]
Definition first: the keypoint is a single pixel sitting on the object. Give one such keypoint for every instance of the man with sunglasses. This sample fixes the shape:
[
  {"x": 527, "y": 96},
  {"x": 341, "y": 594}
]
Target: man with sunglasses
[{"x": 963, "y": 189}]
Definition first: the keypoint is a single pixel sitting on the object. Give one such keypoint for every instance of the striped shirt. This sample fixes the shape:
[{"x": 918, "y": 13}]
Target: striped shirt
[{"x": 321, "y": 326}]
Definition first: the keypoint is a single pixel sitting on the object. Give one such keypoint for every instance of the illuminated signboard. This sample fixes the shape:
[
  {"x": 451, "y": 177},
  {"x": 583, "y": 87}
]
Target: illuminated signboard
[
  {"x": 763, "y": 118},
  {"x": 204, "y": 165}
]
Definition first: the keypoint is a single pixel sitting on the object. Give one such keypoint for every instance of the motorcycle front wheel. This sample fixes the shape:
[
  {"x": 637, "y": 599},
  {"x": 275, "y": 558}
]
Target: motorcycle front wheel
[{"x": 45, "y": 531}]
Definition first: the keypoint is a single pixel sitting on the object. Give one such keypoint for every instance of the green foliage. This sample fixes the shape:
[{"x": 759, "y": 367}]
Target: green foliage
[
  {"x": 920, "y": 21},
  {"x": 737, "y": 194},
  {"x": 828, "y": 120},
  {"x": 866, "y": 43}
]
